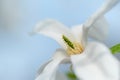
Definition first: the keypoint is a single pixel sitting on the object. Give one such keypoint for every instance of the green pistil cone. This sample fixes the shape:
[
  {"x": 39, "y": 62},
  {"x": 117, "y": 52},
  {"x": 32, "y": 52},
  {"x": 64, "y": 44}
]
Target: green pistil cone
[{"x": 68, "y": 42}]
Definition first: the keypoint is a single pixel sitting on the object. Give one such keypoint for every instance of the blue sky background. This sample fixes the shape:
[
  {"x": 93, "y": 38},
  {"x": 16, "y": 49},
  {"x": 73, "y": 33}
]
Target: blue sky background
[{"x": 22, "y": 54}]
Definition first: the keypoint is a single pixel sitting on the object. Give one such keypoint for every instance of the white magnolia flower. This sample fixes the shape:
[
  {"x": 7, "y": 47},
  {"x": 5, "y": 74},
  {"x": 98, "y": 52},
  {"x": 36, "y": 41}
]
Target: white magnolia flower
[{"x": 90, "y": 60}]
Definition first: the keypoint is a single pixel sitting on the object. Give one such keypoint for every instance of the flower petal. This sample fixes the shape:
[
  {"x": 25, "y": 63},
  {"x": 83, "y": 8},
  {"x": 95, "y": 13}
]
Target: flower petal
[
  {"x": 108, "y": 5},
  {"x": 77, "y": 32},
  {"x": 96, "y": 63},
  {"x": 55, "y": 30},
  {"x": 99, "y": 29},
  {"x": 42, "y": 68},
  {"x": 97, "y": 23},
  {"x": 80, "y": 34},
  {"x": 50, "y": 68}
]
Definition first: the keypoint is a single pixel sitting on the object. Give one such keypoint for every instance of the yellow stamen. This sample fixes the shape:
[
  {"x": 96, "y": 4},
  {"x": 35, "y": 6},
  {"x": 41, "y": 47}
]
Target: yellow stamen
[{"x": 78, "y": 49}]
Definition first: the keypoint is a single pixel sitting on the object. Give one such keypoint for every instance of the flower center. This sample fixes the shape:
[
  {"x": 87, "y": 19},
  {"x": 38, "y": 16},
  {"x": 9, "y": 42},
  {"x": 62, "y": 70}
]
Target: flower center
[{"x": 72, "y": 47}]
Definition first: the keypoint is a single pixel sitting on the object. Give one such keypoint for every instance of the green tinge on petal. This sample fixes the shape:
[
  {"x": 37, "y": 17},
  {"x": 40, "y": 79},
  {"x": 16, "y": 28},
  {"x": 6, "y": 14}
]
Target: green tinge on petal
[{"x": 115, "y": 49}]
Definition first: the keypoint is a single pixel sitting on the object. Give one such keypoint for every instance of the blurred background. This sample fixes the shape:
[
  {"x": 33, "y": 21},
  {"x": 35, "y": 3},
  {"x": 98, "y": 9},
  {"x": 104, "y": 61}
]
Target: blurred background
[{"x": 22, "y": 54}]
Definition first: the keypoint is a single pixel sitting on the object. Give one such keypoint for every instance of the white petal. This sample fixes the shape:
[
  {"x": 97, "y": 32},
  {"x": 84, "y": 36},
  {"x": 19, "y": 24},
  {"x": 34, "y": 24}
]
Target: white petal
[
  {"x": 42, "y": 68},
  {"x": 108, "y": 5},
  {"x": 96, "y": 63},
  {"x": 80, "y": 34},
  {"x": 99, "y": 29},
  {"x": 55, "y": 30},
  {"x": 98, "y": 23},
  {"x": 61, "y": 53},
  {"x": 50, "y": 68}
]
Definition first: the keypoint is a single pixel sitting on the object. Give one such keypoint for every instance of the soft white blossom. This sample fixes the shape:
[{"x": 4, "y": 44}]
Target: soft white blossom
[{"x": 90, "y": 60}]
